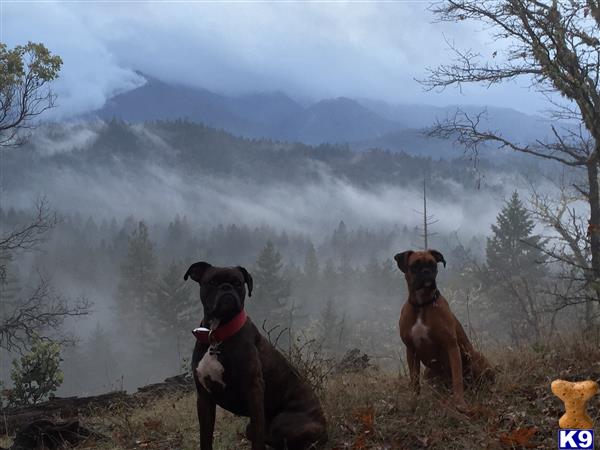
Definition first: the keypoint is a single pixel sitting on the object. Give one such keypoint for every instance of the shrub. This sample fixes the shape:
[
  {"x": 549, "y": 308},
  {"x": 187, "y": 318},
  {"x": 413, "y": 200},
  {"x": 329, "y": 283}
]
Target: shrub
[
  {"x": 307, "y": 356},
  {"x": 37, "y": 374}
]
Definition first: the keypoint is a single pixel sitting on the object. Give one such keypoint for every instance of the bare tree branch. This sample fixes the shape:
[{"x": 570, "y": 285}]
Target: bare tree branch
[
  {"x": 32, "y": 234},
  {"x": 465, "y": 130},
  {"x": 555, "y": 45},
  {"x": 40, "y": 314}
]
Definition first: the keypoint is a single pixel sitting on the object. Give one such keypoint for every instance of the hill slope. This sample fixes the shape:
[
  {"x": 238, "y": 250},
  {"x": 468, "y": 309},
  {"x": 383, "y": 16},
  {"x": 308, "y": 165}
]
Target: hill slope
[{"x": 373, "y": 410}]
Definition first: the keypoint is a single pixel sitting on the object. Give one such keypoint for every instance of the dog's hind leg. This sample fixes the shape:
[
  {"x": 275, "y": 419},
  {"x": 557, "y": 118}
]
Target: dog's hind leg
[
  {"x": 481, "y": 370},
  {"x": 296, "y": 431}
]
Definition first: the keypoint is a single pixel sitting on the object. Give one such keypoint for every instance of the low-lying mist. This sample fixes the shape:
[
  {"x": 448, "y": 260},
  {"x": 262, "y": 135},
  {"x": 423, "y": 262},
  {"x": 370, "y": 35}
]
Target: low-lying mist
[
  {"x": 157, "y": 195},
  {"x": 115, "y": 170},
  {"x": 334, "y": 217}
]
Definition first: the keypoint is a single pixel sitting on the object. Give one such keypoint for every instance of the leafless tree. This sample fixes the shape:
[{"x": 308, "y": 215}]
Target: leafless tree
[
  {"x": 40, "y": 314},
  {"x": 32, "y": 234},
  {"x": 25, "y": 93},
  {"x": 428, "y": 219},
  {"x": 570, "y": 249},
  {"x": 42, "y": 311},
  {"x": 556, "y": 46}
]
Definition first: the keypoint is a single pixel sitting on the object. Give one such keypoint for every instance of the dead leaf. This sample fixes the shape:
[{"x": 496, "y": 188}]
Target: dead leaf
[
  {"x": 366, "y": 417},
  {"x": 520, "y": 436},
  {"x": 153, "y": 424}
]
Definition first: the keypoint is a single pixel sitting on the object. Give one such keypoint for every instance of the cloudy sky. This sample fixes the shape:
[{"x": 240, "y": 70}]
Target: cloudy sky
[{"x": 310, "y": 50}]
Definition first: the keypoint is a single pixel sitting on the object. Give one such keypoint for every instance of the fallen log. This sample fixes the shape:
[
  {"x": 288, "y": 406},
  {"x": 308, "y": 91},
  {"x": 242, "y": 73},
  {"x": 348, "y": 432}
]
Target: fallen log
[
  {"x": 66, "y": 408},
  {"x": 49, "y": 435},
  {"x": 178, "y": 383},
  {"x": 58, "y": 407}
]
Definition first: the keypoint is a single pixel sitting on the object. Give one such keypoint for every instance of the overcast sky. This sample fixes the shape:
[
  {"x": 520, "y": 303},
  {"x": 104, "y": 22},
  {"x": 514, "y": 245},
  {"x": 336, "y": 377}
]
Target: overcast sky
[{"x": 308, "y": 50}]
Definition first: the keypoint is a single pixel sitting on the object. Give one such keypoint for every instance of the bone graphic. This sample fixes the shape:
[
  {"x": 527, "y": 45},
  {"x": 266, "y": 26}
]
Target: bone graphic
[{"x": 575, "y": 397}]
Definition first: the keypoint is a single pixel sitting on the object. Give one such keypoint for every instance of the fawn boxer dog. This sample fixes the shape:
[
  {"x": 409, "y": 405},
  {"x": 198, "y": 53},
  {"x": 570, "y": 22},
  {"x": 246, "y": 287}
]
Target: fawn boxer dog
[
  {"x": 235, "y": 367},
  {"x": 432, "y": 334}
]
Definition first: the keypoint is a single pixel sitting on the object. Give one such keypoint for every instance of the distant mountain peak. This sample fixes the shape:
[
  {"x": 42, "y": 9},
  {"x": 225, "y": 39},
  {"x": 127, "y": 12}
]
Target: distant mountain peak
[
  {"x": 271, "y": 114},
  {"x": 337, "y": 101},
  {"x": 275, "y": 115},
  {"x": 149, "y": 78}
]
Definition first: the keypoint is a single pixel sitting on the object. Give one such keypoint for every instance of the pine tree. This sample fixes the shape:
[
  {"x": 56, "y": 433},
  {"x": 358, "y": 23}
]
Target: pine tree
[
  {"x": 331, "y": 327},
  {"x": 380, "y": 281},
  {"x": 514, "y": 270},
  {"x": 307, "y": 283},
  {"x": 272, "y": 287},
  {"x": 102, "y": 364},
  {"x": 513, "y": 246},
  {"x": 311, "y": 264},
  {"x": 177, "y": 238},
  {"x": 330, "y": 281},
  {"x": 136, "y": 286},
  {"x": 340, "y": 240},
  {"x": 173, "y": 310}
]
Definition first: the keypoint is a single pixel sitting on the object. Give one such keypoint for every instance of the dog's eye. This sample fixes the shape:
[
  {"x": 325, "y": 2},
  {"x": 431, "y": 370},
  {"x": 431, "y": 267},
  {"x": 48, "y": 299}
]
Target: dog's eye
[
  {"x": 212, "y": 282},
  {"x": 237, "y": 283}
]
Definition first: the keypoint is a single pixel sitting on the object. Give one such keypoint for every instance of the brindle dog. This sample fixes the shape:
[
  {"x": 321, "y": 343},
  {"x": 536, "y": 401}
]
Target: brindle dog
[{"x": 243, "y": 373}]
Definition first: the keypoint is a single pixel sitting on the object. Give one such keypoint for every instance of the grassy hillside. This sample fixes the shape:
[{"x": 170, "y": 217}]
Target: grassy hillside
[{"x": 373, "y": 409}]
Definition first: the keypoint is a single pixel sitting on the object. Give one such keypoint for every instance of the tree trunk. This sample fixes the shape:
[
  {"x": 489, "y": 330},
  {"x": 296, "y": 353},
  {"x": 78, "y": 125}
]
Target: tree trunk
[{"x": 594, "y": 235}]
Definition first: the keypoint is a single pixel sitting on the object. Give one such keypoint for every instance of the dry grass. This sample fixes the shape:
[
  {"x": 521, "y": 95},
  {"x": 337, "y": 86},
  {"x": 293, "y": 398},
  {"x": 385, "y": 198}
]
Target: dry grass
[
  {"x": 373, "y": 410},
  {"x": 169, "y": 423}
]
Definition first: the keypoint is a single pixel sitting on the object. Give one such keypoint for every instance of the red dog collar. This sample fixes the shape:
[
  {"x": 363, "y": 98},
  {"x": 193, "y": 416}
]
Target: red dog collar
[{"x": 222, "y": 332}]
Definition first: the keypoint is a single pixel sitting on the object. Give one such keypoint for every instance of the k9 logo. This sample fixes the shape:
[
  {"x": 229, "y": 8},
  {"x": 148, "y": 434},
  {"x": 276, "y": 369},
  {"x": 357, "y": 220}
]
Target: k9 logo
[{"x": 575, "y": 439}]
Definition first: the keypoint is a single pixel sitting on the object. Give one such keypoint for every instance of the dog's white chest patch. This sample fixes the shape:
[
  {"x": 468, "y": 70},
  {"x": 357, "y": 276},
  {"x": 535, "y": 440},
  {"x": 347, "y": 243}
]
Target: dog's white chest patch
[
  {"x": 209, "y": 368},
  {"x": 419, "y": 332}
]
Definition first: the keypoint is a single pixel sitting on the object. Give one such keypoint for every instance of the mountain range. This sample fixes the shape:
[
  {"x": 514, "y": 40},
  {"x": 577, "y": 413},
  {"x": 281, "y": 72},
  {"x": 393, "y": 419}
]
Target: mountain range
[{"x": 361, "y": 123}]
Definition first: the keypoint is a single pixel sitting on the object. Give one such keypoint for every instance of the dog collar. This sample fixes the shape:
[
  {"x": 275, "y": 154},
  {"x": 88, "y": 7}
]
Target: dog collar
[
  {"x": 222, "y": 332},
  {"x": 433, "y": 299}
]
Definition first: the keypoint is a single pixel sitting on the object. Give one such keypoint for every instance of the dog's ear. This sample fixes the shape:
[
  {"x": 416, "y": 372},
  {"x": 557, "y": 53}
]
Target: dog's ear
[
  {"x": 247, "y": 279},
  {"x": 438, "y": 256},
  {"x": 402, "y": 260},
  {"x": 196, "y": 271}
]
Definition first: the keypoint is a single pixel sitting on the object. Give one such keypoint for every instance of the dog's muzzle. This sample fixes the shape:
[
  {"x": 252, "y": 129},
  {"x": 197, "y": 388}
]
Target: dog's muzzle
[
  {"x": 227, "y": 302},
  {"x": 424, "y": 280}
]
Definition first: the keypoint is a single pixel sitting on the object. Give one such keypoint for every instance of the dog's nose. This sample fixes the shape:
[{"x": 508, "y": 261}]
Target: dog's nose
[{"x": 225, "y": 287}]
